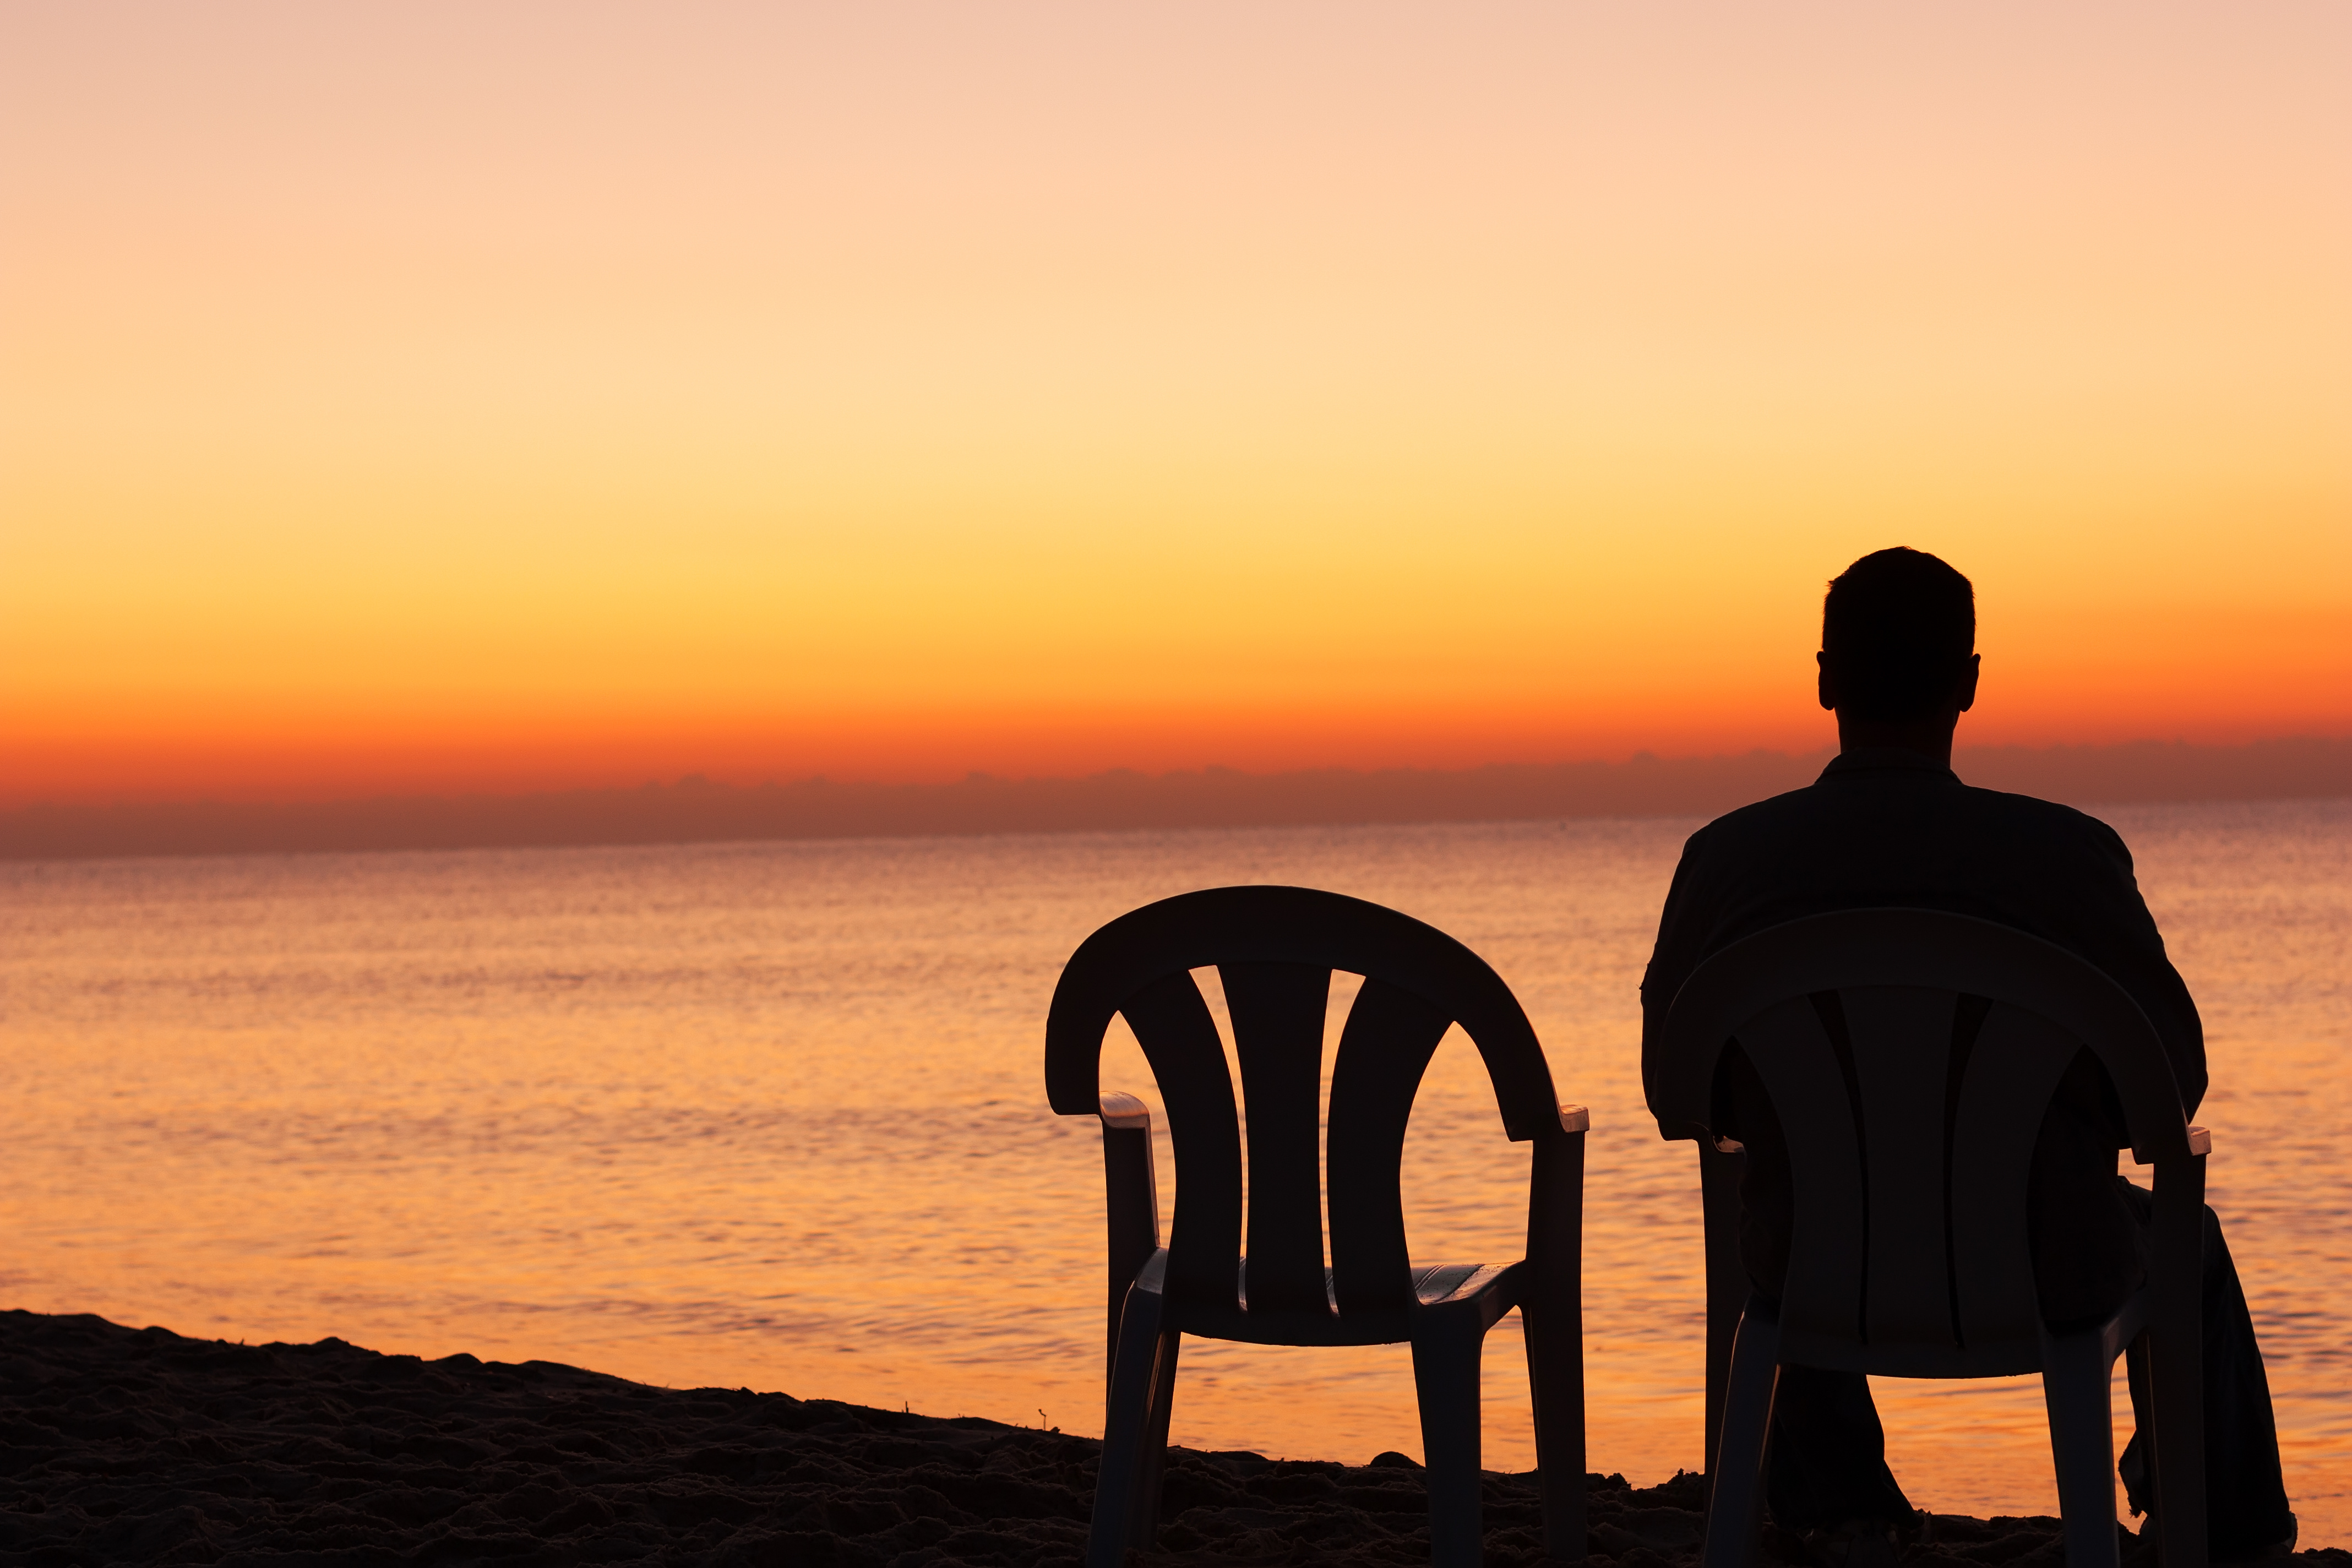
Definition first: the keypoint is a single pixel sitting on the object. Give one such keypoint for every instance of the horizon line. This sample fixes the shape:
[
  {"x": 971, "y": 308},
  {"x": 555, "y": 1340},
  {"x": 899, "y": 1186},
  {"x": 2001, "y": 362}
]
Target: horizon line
[
  {"x": 696, "y": 809},
  {"x": 742, "y": 779}
]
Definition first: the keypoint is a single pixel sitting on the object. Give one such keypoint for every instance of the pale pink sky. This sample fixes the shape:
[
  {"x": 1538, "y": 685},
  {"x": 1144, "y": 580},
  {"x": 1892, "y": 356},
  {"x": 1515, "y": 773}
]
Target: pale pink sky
[{"x": 482, "y": 394}]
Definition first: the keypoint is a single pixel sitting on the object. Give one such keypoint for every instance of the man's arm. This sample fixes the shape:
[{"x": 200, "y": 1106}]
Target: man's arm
[
  {"x": 2069, "y": 880},
  {"x": 1671, "y": 959},
  {"x": 2127, "y": 945}
]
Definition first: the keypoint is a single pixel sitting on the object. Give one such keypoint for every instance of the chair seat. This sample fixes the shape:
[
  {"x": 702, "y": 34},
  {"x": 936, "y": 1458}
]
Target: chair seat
[
  {"x": 1485, "y": 1289},
  {"x": 2010, "y": 1358}
]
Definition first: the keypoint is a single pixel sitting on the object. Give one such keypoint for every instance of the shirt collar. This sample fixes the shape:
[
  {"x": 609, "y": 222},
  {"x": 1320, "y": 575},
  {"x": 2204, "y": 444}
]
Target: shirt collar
[{"x": 1883, "y": 759}]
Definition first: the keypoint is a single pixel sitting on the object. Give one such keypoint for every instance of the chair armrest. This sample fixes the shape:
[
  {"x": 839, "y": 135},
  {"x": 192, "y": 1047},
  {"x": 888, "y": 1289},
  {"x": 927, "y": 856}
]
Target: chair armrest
[
  {"x": 1556, "y": 1204},
  {"x": 1122, "y": 1110},
  {"x": 1131, "y": 1197},
  {"x": 2200, "y": 1141}
]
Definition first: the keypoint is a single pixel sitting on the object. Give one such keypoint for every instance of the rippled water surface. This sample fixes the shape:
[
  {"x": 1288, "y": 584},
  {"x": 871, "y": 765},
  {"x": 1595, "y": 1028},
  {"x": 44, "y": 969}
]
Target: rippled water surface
[{"x": 771, "y": 1115}]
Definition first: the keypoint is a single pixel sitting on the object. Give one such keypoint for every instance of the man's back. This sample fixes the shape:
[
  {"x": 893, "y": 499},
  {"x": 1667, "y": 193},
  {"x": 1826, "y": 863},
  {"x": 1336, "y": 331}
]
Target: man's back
[{"x": 1888, "y": 828}]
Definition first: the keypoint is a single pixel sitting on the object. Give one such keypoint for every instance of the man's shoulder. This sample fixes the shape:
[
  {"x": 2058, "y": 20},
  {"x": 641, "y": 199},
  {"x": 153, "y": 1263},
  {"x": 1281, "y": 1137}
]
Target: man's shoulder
[
  {"x": 1770, "y": 814},
  {"x": 1823, "y": 817},
  {"x": 2047, "y": 818}
]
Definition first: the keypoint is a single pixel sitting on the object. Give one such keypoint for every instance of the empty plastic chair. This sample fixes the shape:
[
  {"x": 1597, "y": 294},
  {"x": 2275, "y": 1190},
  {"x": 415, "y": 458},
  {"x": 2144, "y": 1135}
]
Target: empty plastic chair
[
  {"x": 1274, "y": 950},
  {"x": 1909, "y": 1257}
]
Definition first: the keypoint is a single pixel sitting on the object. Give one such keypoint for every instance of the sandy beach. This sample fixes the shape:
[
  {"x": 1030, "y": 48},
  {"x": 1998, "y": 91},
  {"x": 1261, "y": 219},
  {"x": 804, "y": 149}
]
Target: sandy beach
[{"x": 121, "y": 1445}]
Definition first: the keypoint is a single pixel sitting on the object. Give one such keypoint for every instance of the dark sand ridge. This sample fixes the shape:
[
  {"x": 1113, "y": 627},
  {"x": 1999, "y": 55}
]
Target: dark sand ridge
[{"x": 123, "y": 1446}]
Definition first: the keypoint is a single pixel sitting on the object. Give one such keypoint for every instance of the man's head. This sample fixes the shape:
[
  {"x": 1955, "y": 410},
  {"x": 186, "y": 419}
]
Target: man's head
[{"x": 1898, "y": 635}]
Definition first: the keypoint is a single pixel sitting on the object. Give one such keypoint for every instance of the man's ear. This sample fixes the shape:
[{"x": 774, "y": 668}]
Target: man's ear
[
  {"x": 1967, "y": 686},
  {"x": 1828, "y": 688}
]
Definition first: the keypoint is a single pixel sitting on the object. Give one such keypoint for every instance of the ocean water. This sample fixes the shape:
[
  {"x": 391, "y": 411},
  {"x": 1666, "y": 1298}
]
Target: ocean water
[{"x": 771, "y": 1115}]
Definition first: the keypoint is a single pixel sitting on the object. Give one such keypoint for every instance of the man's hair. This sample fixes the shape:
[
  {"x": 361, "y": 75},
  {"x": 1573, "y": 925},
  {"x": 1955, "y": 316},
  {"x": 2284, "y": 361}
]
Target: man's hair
[{"x": 1897, "y": 629}]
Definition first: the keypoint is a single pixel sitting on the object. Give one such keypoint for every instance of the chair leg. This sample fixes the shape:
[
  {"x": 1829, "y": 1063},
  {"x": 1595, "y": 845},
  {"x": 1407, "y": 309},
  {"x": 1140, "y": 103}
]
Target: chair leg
[
  {"x": 1445, "y": 1356},
  {"x": 1127, "y": 1429},
  {"x": 2075, "y": 1372},
  {"x": 1728, "y": 1289},
  {"x": 1556, "y": 1383},
  {"x": 1152, "y": 1463},
  {"x": 1735, "y": 1509},
  {"x": 2176, "y": 1333}
]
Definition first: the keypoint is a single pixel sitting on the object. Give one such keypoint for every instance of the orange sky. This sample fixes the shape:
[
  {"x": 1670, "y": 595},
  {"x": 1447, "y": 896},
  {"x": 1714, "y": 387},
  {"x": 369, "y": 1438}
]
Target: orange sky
[{"x": 462, "y": 396}]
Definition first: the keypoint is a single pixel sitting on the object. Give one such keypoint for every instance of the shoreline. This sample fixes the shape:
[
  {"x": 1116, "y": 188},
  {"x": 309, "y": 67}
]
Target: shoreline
[{"x": 137, "y": 1445}]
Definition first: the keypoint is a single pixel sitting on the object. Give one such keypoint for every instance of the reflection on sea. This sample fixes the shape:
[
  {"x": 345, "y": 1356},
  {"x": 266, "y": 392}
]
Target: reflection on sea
[{"x": 771, "y": 1115}]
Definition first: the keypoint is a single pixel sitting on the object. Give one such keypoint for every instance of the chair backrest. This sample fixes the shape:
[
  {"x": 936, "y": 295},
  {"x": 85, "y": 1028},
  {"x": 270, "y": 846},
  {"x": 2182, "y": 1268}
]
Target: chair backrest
[
  {"x": 1274, "y": 950},
  {"x": 1910, "y": 1116}
]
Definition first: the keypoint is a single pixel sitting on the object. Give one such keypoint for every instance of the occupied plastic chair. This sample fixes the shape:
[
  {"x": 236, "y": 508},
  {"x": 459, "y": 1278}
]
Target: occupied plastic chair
[
  {"x": 1909, "y": 1141},
  {"x": 1274, "y": 950}
]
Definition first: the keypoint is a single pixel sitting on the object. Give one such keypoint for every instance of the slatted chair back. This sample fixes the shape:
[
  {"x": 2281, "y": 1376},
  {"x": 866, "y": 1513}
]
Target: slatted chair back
[
  {"x": 1275, "y": 949},
  {"x": 1910, "y": 1056}
]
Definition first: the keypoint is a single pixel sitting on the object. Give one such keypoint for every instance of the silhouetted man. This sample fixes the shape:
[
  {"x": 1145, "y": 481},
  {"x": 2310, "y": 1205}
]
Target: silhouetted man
[{"x": 1887, "y": 825}]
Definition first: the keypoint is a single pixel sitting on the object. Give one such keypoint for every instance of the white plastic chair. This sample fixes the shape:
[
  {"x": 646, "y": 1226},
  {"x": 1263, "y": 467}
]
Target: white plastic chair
[
  {"x": 1275, "y": 949},
  {"x": 1909, "y": 1257}
]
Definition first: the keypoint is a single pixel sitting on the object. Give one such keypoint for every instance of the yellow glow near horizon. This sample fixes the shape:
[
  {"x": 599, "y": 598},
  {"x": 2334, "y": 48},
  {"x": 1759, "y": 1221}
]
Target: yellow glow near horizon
[{"x": 448, "y": 396}]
